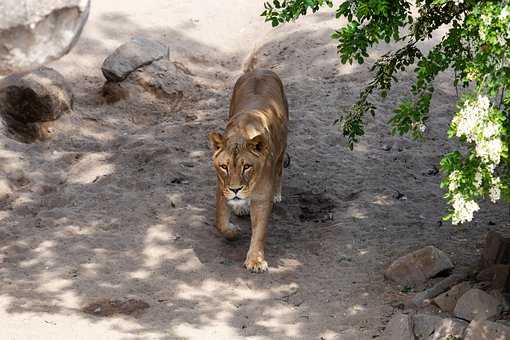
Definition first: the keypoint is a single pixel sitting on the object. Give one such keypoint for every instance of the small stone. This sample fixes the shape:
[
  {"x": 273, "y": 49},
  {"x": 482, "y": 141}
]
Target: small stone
[
  {"x": 131, "y": 56},
  {"x": 419, "y": 266},
  {"x": 386, "y": 147},
  {"x": 487, "y": 330},
  {"x": 399, "y": 328},
  {"x": 476, "y": 304},
  {"x": 432, "y": 327},
  {"x": 448, "y": 300}
]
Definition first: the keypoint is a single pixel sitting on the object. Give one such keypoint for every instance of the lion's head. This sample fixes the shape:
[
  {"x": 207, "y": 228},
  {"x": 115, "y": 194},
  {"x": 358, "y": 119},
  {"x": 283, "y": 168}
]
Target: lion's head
[{"x": 238, "y": 162}]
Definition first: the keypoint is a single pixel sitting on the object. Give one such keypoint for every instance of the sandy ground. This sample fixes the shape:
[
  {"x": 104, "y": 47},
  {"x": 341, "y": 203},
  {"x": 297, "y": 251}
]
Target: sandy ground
[{"x": 120, "y": 204}]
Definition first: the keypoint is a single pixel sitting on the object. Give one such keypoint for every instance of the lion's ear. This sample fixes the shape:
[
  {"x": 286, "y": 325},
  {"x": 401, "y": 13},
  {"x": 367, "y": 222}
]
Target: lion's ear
[
  {"x": 257, "y": 144},
  {"x": 216, "y": 141}
]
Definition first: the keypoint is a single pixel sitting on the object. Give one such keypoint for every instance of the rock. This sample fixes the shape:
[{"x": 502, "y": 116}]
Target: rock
[
  {"x": 447, "y": 301},
  {"x": 418, "y": 266},
  {"x": 497, "y": 275},
  {"x": 486, "y": 330},
  {"x": 496, "y": 250},
  {"x": 163, "y": 79},
  {"x": 501, "y": 278},
  {"x": 40, "y": 96},
  {"x": 399, "y": 328},
  {"x": 423, "y": 298},
  {"x": 476, "y": 304},
  {"x": 34, "y": 32},
  {"x": 29, "y": 102},
  {"x": 132, "y": 55},
  {"x": 432, "y": 327}
]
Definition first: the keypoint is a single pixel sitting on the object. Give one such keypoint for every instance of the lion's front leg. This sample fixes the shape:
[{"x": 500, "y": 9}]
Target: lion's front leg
[
  {"x": 230, "y": 231},
  {"x": 277, "y": 196},
  {"x": 259, "y": 213}
]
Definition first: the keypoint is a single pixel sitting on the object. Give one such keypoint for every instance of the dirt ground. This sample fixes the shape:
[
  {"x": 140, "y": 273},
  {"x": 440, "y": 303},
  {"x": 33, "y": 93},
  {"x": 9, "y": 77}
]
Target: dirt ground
[{"x": 120, "y": 204}]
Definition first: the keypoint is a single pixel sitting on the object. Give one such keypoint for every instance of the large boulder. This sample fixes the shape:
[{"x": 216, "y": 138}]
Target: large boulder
[
  {"x": 418, "y": 266},
  {"x": 34, "y": 32},
  {"x": 132, "y": 55},
  {"x": 29, "y": 103},
  {"x": 476, "y": 304}
]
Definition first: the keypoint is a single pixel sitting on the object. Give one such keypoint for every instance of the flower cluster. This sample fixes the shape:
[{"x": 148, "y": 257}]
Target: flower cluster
[
  {"x": 463, "y": 209},
  {"x": 474, "y": 123},
  {"x": 480, "y": 125}
]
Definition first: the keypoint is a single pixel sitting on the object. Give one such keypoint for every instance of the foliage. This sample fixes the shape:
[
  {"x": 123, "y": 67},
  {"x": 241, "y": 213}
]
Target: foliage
[{"x": 475, "y": 46}]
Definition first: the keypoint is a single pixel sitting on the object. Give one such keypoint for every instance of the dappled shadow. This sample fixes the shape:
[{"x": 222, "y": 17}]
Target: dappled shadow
[{"x": 120, "y": 204}]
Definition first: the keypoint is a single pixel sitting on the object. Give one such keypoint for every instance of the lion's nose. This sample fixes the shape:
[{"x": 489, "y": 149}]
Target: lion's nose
[{"x": 235, "y": 190}]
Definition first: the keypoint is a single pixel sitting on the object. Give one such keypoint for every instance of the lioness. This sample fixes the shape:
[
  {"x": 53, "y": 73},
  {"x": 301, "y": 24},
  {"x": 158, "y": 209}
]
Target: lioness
[{"x": 248, "y": 158}]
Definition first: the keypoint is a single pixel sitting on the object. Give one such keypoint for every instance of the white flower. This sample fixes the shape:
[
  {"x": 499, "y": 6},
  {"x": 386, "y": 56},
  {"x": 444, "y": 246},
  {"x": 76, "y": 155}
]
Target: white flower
[
  {"x": 504, "y": 13},
  {"x": 463, "y": 210},
  {"x": 453, "y": 180},
  {"x": 478, "y": 178},
  {"x": 470, "y": 116},
  {"x": 489, "y": 150},
  {"x": 495, "y": 191},
  {"x": 490, "y": 130}
]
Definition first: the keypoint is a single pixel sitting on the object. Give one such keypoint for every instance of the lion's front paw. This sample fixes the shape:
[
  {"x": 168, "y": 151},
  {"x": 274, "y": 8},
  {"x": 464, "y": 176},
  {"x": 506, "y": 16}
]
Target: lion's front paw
[
  {"x": 232, "y": 232},
  {"x": 256, "y": 265},
  {"x": 277, "y": 198}
]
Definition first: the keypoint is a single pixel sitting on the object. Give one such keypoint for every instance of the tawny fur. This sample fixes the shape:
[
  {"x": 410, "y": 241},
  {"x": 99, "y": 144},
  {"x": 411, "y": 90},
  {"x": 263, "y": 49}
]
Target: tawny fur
[{"x": 249, "y": 158}]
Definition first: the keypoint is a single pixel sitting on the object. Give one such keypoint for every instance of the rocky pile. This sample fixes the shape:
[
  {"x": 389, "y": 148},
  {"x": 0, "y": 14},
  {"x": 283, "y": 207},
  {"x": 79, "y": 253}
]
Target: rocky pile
[{"x": 459, "y": 306}]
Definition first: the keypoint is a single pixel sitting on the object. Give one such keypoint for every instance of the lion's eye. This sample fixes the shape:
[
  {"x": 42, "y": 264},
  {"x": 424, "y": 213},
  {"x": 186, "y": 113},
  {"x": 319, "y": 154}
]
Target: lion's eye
[
  {"x": 224, "y": 167},
  {"x": 246, "y": 167}
]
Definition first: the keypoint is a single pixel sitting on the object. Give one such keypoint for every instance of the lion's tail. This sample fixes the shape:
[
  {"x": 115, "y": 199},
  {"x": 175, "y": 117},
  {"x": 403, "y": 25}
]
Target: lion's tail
[{"x": 250, "y": 61}]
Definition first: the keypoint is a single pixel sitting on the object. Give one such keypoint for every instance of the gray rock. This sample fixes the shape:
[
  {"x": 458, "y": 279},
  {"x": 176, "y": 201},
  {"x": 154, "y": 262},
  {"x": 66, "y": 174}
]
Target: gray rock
[
  {"x": 131, "y": 56},
  {"x": 29, "y": 103},
  {"x": 163, "y": 79},
  {"x": 399, "y": 328},
  {"x": 448, "y": 300},
  {"x": 476, "y": 304},
  {"x": 487, "y": 330},
  {"x": 432, "y": 327},
  {"x": 34, "y": 32},
  {"x": 418, "y": 266}
]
